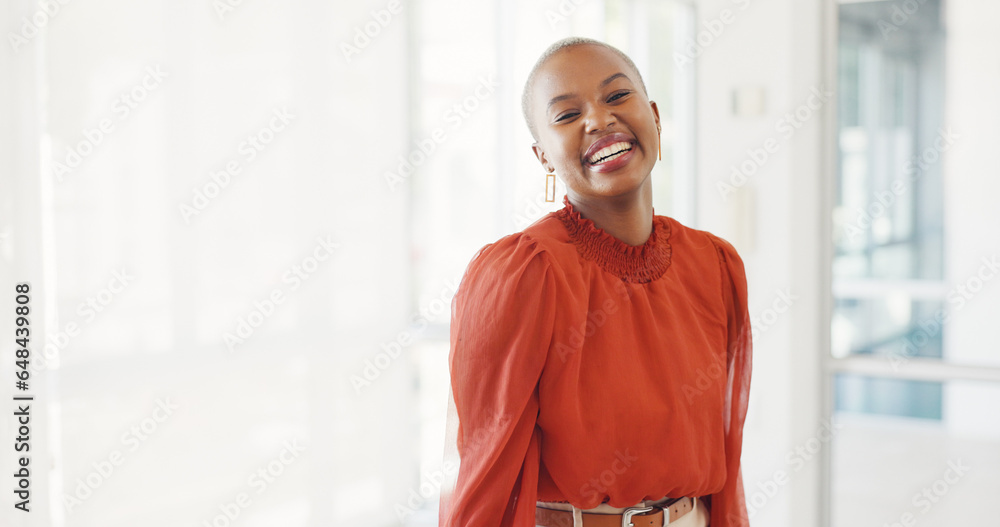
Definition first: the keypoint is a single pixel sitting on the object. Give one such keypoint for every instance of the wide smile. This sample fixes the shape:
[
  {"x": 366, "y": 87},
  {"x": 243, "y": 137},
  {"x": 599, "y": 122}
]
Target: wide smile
[{"x": 610, "y": 153}]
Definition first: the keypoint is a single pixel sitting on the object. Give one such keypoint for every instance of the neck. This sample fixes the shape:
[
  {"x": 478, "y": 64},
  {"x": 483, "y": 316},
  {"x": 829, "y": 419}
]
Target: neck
[{"x": 628, "y": 217}]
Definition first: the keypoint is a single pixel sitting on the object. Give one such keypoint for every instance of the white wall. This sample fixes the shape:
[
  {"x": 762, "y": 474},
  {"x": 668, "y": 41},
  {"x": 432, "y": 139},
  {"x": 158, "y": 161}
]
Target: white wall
[
  {"x": 972, "y": 218},
  {"x": 773, "y": 48},
  {"x": 161, "y": 337}
]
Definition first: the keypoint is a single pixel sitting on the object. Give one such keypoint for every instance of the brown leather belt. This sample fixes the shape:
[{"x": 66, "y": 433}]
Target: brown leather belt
[{"x": 651, "y": 516}]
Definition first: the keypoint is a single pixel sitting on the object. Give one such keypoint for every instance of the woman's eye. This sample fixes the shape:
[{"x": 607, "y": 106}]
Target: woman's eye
[{"x": 618, "y": 95}]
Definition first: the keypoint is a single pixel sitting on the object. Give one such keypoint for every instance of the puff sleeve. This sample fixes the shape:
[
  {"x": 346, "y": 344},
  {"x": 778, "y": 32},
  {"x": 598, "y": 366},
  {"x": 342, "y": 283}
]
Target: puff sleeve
[
  {"x": 503, "y": 315},
  {"x": 728, "y": 507}
]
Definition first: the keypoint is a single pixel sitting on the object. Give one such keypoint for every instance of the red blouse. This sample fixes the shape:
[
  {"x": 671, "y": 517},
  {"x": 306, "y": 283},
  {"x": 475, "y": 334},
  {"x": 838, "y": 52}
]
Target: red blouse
[{"x": 587, "y": 370}]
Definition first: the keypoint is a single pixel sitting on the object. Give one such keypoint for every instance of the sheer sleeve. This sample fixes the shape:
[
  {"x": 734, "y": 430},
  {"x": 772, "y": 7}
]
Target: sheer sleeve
[
  {"x": 501, "y": 329},
  {"x": 728, "y": 506}
]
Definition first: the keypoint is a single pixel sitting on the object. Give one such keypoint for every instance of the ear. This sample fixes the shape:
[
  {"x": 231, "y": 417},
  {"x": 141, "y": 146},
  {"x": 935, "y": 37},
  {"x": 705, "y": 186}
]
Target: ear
[
  {"x": 656, "y": 113},
  {"x": 540, "y": 154}
]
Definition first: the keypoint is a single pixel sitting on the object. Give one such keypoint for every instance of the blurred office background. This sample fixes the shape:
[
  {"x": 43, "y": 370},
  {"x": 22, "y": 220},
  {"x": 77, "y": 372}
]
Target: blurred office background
[{"x": 243, "y": 222}]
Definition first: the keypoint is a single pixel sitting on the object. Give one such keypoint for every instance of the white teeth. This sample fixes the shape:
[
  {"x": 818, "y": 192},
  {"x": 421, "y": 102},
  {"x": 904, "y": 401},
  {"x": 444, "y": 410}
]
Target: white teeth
[{"x": 613, "y": 150}]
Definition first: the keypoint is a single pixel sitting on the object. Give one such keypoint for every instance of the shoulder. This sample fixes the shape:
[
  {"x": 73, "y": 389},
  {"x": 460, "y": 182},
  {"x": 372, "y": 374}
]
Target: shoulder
[
  {"x": 515, "y": 251},
  {"x": 501, "y": 264},
  {"x": 545, "y": 239},
  {"x": 543, "y": 248},
  {"x": 698, "y": 238},
  {"x": 731, "y": 269},
  {"x": 550, "y": 231},
  {"x": 728, "y": 255}
]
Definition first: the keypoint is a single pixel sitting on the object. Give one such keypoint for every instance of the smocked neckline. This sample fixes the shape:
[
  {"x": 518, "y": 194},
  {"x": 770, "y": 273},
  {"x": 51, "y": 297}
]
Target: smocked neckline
[{"x": 631, "y": 263}]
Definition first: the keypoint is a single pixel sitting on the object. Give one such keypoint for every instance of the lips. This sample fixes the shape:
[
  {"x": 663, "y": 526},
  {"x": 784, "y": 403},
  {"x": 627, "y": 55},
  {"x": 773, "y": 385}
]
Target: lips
[{"x": 610, "y": 152}]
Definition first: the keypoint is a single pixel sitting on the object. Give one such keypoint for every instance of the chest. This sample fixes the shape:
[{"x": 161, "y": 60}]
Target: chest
[{"x": 645, "y": 346}]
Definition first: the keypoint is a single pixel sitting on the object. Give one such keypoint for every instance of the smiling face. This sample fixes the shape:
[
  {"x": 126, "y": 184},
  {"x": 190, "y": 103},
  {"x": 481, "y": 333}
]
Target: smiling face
[{"x": 596, "y": 128}]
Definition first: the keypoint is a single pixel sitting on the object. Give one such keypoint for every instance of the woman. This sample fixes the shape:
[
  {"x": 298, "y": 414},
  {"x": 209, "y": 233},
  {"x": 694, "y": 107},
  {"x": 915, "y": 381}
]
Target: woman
[{"x": 600, "y": 358}]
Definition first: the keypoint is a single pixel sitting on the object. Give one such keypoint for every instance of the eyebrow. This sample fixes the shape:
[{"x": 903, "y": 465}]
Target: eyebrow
[{"x": 565, "y": 96}]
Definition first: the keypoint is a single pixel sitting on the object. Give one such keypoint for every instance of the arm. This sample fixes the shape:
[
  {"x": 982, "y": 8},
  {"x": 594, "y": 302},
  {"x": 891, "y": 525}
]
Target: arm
[
  {"x": 501, "y": 329},
  {"x": 728, "y": 507}
]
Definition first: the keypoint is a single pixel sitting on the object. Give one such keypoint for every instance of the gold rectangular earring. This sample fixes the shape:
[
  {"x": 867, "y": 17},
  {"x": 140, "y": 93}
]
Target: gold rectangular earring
[{"x": 550, "y": 197}]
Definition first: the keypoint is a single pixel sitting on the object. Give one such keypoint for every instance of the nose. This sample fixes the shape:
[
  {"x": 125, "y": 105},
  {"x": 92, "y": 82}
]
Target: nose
[{"x": 598, "y": 118}]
